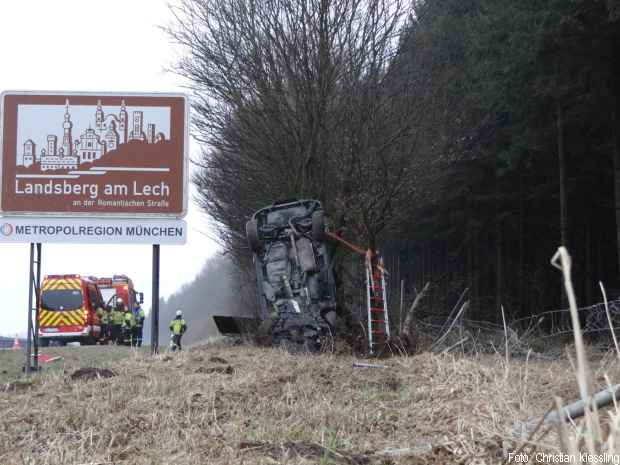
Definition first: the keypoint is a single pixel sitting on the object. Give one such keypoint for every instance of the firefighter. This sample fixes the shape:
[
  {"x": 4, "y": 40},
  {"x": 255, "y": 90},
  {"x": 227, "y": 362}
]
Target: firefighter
[
  {"x": 139, "y": 315},
  {"x": 104, "y": 320},
  {"x": 178, "y": 327},
  {"x": 129, "y": 324},
  {"x": 117, "y": 317}
]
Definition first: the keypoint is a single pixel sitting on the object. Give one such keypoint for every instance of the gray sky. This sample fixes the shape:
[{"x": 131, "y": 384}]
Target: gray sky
[{"x": 86, "y": 45}]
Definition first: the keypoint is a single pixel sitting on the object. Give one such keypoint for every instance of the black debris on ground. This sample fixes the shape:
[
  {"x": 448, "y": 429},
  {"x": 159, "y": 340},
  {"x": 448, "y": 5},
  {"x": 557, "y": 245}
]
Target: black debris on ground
[
  {"x": 17, "y": 386},
  {"x": 228, "y": 370},
  {"x": 90, "y": 373}
]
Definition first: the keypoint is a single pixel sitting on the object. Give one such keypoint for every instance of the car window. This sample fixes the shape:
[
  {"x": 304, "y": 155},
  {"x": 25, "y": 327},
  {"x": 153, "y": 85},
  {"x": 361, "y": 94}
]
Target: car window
[{"x": 61, "y": 299}]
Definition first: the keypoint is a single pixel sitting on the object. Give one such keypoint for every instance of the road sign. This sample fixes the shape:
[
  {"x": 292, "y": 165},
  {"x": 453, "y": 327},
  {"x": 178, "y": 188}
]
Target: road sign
[
  {"x": 96, "y": 154},
  {"x": 92, "y": 230}
]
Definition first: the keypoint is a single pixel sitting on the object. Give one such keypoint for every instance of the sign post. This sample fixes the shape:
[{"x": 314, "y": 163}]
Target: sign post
[
  {"x": 155, "y": 302},
  {"x": 37, "y": 303},
  {"x": 28, "y": 364},
  {"x": 85, "y": 167}
]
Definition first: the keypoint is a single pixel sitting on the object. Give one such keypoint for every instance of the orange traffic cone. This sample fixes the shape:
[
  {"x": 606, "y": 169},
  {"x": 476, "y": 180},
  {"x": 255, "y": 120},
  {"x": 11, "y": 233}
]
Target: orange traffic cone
[{"x": 16, "y": 344}]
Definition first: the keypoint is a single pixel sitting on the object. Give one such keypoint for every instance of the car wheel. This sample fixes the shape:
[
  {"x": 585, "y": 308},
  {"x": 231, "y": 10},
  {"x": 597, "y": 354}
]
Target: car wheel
[
  {"x": 318, "y": 225},
  {"x": 44, "y": 342},
  {"x": 251, "y": 232}
]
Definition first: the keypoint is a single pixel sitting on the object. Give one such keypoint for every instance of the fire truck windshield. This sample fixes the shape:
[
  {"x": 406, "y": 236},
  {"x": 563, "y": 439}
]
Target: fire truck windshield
[
  {"x": 107, "y": 293},
  {"x": 61, "y": 299}
]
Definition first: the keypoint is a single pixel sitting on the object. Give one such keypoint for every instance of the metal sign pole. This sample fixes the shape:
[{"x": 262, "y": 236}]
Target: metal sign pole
[
  {"x": 37, "y": 300},
  {"x": 30, "y": 285},
  {"x": 155, "y": 302}
]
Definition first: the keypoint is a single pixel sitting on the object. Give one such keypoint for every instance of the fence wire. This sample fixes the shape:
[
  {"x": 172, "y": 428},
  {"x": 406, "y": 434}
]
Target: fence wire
[{"x": 548, "y": 324}]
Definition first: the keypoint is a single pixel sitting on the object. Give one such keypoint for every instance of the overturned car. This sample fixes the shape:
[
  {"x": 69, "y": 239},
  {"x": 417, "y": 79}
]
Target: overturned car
[{"x": 296, "y": 291}]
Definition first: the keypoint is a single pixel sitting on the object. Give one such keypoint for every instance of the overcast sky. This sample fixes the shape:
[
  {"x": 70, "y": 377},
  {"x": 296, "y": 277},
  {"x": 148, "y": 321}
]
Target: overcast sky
[{"x": 86, "y": 45}]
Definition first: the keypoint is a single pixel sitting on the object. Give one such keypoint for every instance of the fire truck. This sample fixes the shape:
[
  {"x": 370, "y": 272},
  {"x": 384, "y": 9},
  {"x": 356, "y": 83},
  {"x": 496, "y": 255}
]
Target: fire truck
[
  {"x": 67, "y": 309},
  {"x": 119, "y": 286}
]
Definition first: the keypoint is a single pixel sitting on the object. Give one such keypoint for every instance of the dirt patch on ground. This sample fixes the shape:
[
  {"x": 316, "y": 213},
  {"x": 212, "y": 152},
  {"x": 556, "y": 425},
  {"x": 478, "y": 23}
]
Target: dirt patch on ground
[
  {"x": 227, "y": 370},
  {"x": 90, "y": 373},
  {"x": 17, "y": 386},
  {"x": 439, "y": 455},
  {"x": 306, "y": 450}
]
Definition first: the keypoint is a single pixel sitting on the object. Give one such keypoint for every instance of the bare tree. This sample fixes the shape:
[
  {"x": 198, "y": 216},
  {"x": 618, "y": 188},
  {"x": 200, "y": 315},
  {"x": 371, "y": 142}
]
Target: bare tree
[{"x": 295, "y": 98}]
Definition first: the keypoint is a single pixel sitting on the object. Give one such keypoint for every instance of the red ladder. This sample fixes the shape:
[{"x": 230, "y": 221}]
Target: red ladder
[{"x": 376, "y": 297}]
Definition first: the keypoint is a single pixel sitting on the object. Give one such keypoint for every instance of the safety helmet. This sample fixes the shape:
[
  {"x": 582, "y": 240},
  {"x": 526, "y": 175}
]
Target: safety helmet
[
  {"x": 119, "y": 301},
  {"x": 179, "y": 313}
]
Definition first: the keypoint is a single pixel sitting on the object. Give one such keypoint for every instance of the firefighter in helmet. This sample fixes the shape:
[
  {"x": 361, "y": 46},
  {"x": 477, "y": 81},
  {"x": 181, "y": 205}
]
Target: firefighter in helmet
[
  {"x": 139, "y": 316},
  {"x": 117, "y": 318},
  {"x": 129, "y": 324},
  {"x": 104, "y": 319},
  {"x": 178, "y": 327}
]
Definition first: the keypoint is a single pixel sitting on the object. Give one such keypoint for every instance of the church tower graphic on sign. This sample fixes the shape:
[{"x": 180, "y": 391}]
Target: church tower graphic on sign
[{"x": 67, "y": 146}]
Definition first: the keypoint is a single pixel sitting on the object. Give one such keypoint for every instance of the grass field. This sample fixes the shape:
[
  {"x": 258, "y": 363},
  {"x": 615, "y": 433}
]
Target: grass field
[
  {"x": 12, "y": 362},
  {"x": 225, "y": 404}
]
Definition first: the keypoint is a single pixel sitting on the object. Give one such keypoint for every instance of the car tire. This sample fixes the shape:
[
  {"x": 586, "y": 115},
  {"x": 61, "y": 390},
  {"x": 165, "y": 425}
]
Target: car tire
[
  {"x": 44, "y": 342},
  {"x": 251, "y": 232},
  {"x": 318, "y": 225}
]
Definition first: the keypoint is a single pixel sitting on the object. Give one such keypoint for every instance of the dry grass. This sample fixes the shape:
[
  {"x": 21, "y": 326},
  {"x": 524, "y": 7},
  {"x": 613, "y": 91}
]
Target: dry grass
[
  {"x": 596, "y": 439},
  {"x": 272, "y": 407}
]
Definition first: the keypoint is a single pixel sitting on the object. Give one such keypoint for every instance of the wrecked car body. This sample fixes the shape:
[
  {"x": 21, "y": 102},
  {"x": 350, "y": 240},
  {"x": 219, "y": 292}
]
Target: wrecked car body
[{"x": 296, "y": 291}]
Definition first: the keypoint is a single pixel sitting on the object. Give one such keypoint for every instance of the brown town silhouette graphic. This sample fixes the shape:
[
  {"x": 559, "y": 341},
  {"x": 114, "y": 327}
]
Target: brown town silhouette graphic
[{"x": 111, "y": 139}]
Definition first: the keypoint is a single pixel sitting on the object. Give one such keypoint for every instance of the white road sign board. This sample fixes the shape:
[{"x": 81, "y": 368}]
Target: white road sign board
[{"x": 92, "y": 230}]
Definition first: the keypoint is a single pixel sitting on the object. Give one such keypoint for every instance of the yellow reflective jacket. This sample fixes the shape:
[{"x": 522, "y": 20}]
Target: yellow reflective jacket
[
  {"x": 129, "y": 320},
  {"x": 105, "y": 317},
  {"x": 117, "y": 317},
  {"x": 140, "y": 318},
  {"x": 178, "y": 326}
]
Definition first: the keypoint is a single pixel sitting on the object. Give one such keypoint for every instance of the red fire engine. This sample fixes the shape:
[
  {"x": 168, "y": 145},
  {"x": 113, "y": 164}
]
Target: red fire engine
[
  {"x": 119, "y": 286},
  {"x": 67, "y": 310}
]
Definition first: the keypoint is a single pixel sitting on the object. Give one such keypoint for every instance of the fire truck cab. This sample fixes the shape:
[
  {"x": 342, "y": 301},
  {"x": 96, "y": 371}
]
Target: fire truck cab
[
  {"x": 119, "y": 286},
  {"x": 67, "y": 312}
]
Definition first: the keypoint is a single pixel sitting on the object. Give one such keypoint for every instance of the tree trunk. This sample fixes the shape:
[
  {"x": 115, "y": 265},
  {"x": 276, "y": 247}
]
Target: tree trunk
[
  {"x": 423, "y": 265},
  {"x": 615, "y": 134},
  {"x": 521, "y": 271},
  {"x": 476, "y": 271},
  {"x": 562, "y": 170},
  {"x": 498, "y": 250},
  {"x": 470, "y": 270},
  {"x": 563, "y": 203},
  {"x": 446, "y": 276},
  {"x": 589, "y": 264},
  {"x": 499, "y": 266}
]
